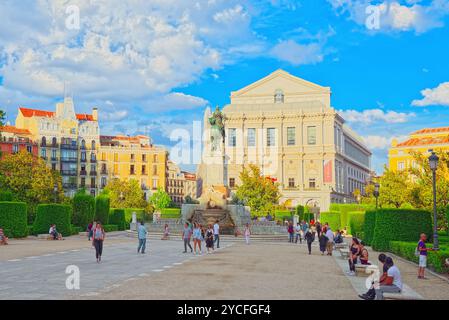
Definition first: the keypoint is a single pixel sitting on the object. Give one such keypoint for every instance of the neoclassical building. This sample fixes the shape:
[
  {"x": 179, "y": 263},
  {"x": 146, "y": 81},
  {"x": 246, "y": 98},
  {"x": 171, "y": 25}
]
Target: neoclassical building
[{"x": 287, "y": 127}]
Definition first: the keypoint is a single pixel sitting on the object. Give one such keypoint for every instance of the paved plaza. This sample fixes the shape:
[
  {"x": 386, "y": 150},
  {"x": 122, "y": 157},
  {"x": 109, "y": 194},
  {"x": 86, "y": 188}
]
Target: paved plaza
[{"x": 35, "y": 269}]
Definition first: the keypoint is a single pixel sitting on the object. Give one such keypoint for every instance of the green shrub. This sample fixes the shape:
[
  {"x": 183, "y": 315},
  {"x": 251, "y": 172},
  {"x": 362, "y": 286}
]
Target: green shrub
[
  {"x": 345, "y": 208},
  {"x": 282, "y": 215},
  {"x": 447, "y": 219},
  {"x": 435, "y": 259},
  {"x": 129, "y": 214},
  {"x": 171, "y": 213},
  {"x": 368, "y": 227},
  {"x": 300, "y": 212},
  {"x": 400, "y": 225},
  {"x": 13, "y": 219},
  {"x": 30, "y": 230},
  {"x": 117, "y": 217},
  {"x": 110, "y": 227},
  {"x": 6, "y": 195},
  {"x": 102, "y": 203},
  {"x": 76, "y": 230},
  {"x": 332, "y": 217},
  {"x": 83, "y": 209},
  {"x": 48, "y": 214},
  {"x": 356, "y": 222}
]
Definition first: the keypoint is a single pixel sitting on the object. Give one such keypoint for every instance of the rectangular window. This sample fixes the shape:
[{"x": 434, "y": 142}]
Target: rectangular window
[
  {"x": 131, "y": 169},
  {"x": 15, "y": 148},
  {"x": 115, "y": 169},
  {"x": 232, "y": 134},
  {"x": 251, "y": 137},
  {"x": 43, "y": 153},
  {"x": 132, "y": 157},
  {"x": 144, "y": 169},
  {"x": 155, "y": 158},
  {"x": 271, "y": 137},
  {"x": 115, "y": 157},
  {"x": 312, "y": 184},
  {"x": 291, "y": 132},
  {"x": 144, "y": 158},
  {"x": 311, "y": 135},
  {"x": 231, "y": 182},
  {"x": 103, "y": 182},
  {"x": 401, "y": 165},
  {"x": 155, "y": 183},
  {"x": 154, "y": 169},
  {"x": 291, "y": 182},
  {"x": 53, "y": 166}
]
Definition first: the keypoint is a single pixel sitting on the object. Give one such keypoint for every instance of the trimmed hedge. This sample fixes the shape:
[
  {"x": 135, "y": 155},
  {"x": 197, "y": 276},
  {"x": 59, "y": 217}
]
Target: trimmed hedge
[
  {"x": 171, "y": 213},
  {"x": 83, "y": 209},
  {"x": 129, "y": 214},
  {"x": 332, "y": 217},
  {"x": 435, "y": 260},
  {"x": 117, "y": 217},
  {"x": 345, "y": 208},
  {"x": 76, "y": 230},
  {"x": 282, "y": 215},
  {"x": 356, "y": 223},
  {"x": 110, "y": 227},
  {"x": 102, "y": 203},
  {"x": 299, "y": 210},
  {"x": 400, "y": 225},
  {"x": 13, "y": 219},
  {"x": 6, "y": 195},
  {"x": 48, "y": 214},
  {"x": 368, "y": 227}
]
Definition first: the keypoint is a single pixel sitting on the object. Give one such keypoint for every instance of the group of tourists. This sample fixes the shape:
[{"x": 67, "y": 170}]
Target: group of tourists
[{"x": 199, "y": 234}]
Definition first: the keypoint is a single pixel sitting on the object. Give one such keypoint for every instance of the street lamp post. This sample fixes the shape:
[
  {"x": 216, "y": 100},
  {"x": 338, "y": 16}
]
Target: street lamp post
[
  {"x": 55, "y": 192},
  {"x": 433, "y": 162},
  {"x": 376, "y": 193}
]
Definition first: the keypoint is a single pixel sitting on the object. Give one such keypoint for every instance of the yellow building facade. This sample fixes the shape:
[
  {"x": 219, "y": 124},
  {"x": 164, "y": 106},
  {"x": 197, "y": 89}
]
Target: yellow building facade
[
  {"x": 126, "y": 158},
  {"x": 399, "y": 157}
]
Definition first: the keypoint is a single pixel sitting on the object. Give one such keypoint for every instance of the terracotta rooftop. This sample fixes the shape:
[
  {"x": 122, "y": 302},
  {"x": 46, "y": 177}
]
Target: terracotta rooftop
[
  {"x": 424, "y": 141},
  {"x": 28, "y": 113},
  {"x": 432, "y": 130},
  {"x": 12, "y": 129}
]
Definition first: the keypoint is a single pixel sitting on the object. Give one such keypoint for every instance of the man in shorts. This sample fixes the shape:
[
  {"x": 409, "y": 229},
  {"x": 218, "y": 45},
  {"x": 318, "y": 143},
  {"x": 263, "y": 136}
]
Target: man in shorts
[{"x": 422, "y": 255}]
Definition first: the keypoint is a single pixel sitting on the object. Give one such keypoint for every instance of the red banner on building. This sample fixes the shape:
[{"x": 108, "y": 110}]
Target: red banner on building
[{"x": 327, "y": 171}]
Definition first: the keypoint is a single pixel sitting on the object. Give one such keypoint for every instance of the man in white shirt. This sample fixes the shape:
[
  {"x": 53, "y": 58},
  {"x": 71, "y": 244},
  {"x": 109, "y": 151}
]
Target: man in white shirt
[
  {"x": 217, "y": 234},
  {"x": 330, "y": 240},
  {"x": 393, "y": 281}
]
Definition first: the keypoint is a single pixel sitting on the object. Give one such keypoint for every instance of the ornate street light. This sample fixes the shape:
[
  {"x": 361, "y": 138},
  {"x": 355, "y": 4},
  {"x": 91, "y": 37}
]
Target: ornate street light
[
  {"x": 433, "y": 163},
  {"x": 55, "y": 192},
  {"x": 376, "y": 193}
]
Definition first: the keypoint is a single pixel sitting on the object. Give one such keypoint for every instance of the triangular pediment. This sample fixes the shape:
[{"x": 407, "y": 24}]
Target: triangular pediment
[{"x": 280, "y": 80}]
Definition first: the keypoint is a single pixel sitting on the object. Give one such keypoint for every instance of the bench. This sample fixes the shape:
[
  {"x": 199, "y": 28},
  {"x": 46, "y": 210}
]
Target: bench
[
  {"x": 406, "y": 294},
  {"x": 344, "y": 253},
  {"x": 363, "y": 267},
  {"x": 340, "y": 246},
  {"x": 83, "y": 233},
  {"x": 44, "y": 236}
]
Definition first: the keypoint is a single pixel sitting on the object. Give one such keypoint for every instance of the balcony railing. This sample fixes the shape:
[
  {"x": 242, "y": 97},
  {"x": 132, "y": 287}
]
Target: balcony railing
[
  {"x": 68, "y": 173},
  {"x": 104, "y": 171},
  {"x": 69, "y": 185},
  {"x": 54, "y": 159},
  {"x": 93, "y": 173},
  {"x": 69, "y": 159},
  {"x": 83, "y": 172},
  {"x": 93, "y": 160},
  {"x": 69, "y": 146},
  {"x": 93, "y": 186}
]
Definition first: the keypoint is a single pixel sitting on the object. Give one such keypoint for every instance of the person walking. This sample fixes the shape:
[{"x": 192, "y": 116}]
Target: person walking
[
  {"x": 319, "y": 229},
  {"x": 323, "y": 240},
  {"x": 247, "y": 233},
  {"x": 210, "y": 239},
  {"x": 422, "y": 253},
  {"x": 330, "y": 240},
  {"x": 98, "y": 238},
  {"x": 89, "y": 231},
  {"x": 217, "y": 234},
  {"x": 298, "y": 233},
  {"x": 196, "y": 237},
  {"x": 291, "y": 232},
  {"x": 142, "y": 235},
  {"x": 166, "y": 235},
  {"x": 186, "y": 234},
  {"x": 309, "y": 237}
]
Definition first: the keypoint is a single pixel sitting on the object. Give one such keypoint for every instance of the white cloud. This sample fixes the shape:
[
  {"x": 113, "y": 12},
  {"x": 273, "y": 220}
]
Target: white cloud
[
  {"x": 298, "y": 54},
  {"x": 375, "y": 115},
  {"x": 435, "y": 96},
  {"x": 376, "y": 142},
  {"x": 416, "y": 15}
]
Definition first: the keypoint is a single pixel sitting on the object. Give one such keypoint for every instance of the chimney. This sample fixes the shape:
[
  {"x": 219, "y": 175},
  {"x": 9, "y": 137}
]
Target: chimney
[{"x": 95, "y": 114}]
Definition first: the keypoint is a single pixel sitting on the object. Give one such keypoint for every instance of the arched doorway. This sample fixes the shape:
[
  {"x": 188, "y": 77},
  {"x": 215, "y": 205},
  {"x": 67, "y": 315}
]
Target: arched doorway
[{"x": 314, "y": 206}]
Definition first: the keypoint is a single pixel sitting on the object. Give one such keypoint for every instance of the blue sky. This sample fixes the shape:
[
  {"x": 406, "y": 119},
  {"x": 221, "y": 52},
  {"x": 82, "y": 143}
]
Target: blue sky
[{"x": 153, "y": 66}]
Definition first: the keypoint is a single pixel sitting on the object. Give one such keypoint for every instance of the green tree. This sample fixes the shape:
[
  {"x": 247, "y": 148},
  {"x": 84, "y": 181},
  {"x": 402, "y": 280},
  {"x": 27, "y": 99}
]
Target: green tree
[
  {"x": 125, "y": 194},
  {"x": 160, "y": 199},
  {"x": 83, "y": 208},
  {"x": 260, "y": 193},
  {"x": 30, "y": 180}
]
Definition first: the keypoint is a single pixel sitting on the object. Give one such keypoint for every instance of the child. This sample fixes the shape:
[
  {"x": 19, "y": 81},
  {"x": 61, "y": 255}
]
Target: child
[{"x": 247, "y": 233}]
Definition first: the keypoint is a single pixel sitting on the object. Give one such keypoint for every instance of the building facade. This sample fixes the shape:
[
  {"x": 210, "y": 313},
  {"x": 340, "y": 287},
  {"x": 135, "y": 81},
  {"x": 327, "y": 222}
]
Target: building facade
[
  {"x": 421, "y": 141},
  {"x": 190, "y": 185},
  {"x": 67, "y": 141},
  {"x": 125, "y": 158},
  {"x": 287, "y": 127},
  {"x": 14, "y": 140},
  {"x": 175, "y": 183}
]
